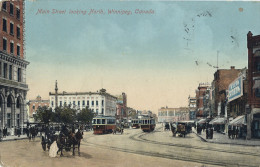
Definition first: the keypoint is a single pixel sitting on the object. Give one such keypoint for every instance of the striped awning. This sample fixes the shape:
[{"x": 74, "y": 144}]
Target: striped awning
[
  {"x": 238, "y": 121},
  {"x": 217, "y": 121},
  {"x": 202, "y": 121}
]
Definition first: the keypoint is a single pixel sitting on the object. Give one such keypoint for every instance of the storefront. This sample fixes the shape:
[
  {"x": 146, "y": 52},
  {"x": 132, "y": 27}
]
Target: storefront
[
  {"x": 240, "y": 124},
  {"x": 256, "y": 126},
  {"x": 218, "y": 124}
]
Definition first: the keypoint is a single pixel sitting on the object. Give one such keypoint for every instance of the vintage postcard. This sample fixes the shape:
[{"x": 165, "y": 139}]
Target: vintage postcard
[{"x": 129, "y": 83}]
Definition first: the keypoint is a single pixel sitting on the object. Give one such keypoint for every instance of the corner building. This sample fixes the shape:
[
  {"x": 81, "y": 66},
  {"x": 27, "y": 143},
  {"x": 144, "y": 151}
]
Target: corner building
[
  {"x": 13, "y": 87},
  {"x": 100, "y": 102}
]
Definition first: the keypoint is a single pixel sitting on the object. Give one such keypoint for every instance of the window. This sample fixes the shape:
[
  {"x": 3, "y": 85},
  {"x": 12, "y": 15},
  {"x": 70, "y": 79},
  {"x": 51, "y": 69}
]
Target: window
[
  {"x": 102, "y": 102},
  {"x": 4, "y": 25},
  {"x": 257, "y": 92},
  {"x": 60, "y": 103},
  {"x": 4, "y": 44},
  {"x": 257, "y": 65},
  {"x": 4, "y": 6},
  {"x": 0, "y": 69},
  {"x": 52, "y": 103},
  {"x": 10, "y": 72},
  {"x": 9, "y": 101},
  {"x": 8, "y": 120},
  {"x": 18, "y": 32},
  {"x": 92, "y": 103},
  {"x": 102, "y": 111},
  {"x": 11, "y": 9},
  {"x": 74, "y": 103},
  {"x": 103, "y": 121},
  {"x": 88, "y": 103},
  {"x": 18, "y": 50},
  {"x": 5, "y": 70},
  {"x": 97, "y": 111},
  {"x": 34, "y": 107},
  {"x": 11, "y": 47},
  {"x": 19, "y": 75},
  {"x": 18, "y": 13},
  {"x": 78, "y": 103},
  {"x": 11, "y": 28},
  {"x": 83, "y": 102},
  {"x": 96, "y": 103},
  {"x": 18, "y": 120}
]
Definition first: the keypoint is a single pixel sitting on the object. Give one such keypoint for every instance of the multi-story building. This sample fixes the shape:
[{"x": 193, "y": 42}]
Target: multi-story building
[
  {"x": 253, "y": 117},
  {"x": 192, "y": 107},
  {"x": 166, "y": 114},
  {"x": 200, "y": 93},
  {"x": 13, "y": 87},
  {"x": 222, "y": 79},
  {"x": 100, "y": 102},
  {"x": 207, "y": 103},
  {"x": 121, "y": 106},
  {"x": 34, "y": 104}
]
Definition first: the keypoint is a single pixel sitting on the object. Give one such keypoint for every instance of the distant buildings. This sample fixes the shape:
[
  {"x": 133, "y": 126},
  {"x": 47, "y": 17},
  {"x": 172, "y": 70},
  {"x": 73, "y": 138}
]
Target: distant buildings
[
  {"x": 173, "y": 114},
  {"x": 200, "y": 93},
  {"x": 192, "y": 107},
  {"x": 13, "y": 87},
  {"x": 34, "y": 104},
  {"x": 121, "y": 106},
  {"x": 101, "y": 102}
]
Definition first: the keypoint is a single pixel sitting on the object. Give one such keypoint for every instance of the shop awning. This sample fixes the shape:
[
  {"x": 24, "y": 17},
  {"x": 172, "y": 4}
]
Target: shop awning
[
  {"x": 257, "y": 84},
  {"x": 217, "y": 121},
  {"x": 202, "y": 121},
  {"x": 238, "y": 121}
]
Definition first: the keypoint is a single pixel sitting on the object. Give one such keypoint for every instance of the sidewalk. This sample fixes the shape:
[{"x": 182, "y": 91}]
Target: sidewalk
[
  {"x": 223, "y": 139},
  {"x": 10, "y": 138}
]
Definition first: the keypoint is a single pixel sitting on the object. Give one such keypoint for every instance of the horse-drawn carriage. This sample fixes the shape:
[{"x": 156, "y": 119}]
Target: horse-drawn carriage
[
  {"x": 180, "y": 129},
  {"x": 65, "y": 139},
  {"x": 118, "y": 129}
]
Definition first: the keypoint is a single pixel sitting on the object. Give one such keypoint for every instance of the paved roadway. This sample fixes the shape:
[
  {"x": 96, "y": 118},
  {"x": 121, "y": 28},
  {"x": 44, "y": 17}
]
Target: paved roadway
[{"x": 133, "y": 148}]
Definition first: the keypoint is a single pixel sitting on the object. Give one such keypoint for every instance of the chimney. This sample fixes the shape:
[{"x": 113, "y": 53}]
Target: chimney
[{"x": 232, "y": 67}]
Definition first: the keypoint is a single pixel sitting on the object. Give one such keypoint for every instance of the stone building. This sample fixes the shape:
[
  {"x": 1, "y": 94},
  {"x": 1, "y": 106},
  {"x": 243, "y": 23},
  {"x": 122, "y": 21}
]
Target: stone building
[
  {"x": 101, "y": 102},
  {"x": 253, "y": 109},
  {"x": 13, "y": 87}
]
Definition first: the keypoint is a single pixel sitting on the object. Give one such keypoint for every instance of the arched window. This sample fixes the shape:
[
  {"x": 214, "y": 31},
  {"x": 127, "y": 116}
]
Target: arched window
[
  {"x": 9, "y": 101},
  {"x": 18, "y": 103}
]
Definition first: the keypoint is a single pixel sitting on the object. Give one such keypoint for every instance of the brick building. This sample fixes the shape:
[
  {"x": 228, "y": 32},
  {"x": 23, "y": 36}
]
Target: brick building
[
  {"x": 200, "y": 93},
  {"x": 222, "y": 79},
  {"x": 13, "y": 87},
  {"x": 34, "y": 104},
  {"x": 121, "y": 106},
  {"x": 253, "y": 121}
]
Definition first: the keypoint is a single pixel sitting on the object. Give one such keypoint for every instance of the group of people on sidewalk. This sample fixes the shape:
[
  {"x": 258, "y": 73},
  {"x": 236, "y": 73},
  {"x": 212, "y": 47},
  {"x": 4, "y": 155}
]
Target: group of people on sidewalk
[
  {"x": 13, "y": 132},
  {"x": 208, "y": 128}
]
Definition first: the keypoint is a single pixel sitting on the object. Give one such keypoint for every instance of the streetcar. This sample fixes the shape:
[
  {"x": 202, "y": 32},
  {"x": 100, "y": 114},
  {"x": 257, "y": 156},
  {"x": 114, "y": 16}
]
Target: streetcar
[
  {"x": 135, "y": 123},
  {"x": 147, "y": 124},
  {"x": 103, "y": 124}
]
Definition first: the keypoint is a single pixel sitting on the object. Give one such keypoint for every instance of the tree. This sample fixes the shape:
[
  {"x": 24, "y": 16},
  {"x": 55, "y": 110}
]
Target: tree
[
  {"x": 85, "y": 115},
  {"x": 67, "y": 115},
  {"x": 43, "y": 114}
]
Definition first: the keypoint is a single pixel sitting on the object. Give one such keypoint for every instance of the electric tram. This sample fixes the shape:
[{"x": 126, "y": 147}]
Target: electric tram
[
  {"x": 103, "y": 124},
  {"x": 147, "y": 124},
  {"x": 135, "y": 123}
]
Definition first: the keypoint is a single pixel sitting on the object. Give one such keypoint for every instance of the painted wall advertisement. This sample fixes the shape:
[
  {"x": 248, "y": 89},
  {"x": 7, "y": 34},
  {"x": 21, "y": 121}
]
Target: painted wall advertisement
[{"x": 235, "y": 89}]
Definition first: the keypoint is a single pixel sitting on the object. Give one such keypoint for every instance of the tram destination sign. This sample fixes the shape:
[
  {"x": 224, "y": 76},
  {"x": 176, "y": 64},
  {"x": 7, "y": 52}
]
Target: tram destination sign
[{"x": 235, "y": 89}]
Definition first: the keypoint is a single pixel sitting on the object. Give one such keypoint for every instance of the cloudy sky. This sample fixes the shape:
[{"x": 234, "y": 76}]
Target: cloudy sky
[{"x": 157, "y": 59}]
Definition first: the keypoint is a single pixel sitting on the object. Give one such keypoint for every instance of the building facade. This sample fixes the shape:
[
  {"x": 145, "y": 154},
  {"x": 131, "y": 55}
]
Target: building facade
[
  {"x": 100, "y": 102},
  {"x": 34, "y": 104},
  {"x": 166, "y": 114},
  {"x": 192, "y": 107},
  {"x": 13, "y": 87},
  {"x": 200, "y": 93},
  {"x": 121, "y": 104},
  {"x": 253, "y": 113},
  {"x": 222, "y": 79}
]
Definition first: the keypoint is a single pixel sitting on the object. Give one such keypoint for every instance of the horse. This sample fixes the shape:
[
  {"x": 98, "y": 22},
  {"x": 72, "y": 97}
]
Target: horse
[
  {"x": 74, "y": 140},
  {"x": 118, "y": 129}
]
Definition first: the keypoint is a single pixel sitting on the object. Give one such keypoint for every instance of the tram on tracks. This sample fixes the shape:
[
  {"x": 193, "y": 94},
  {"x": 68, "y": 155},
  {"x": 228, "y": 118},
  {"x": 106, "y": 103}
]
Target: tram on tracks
[
  {"x": 135, "y": 123},
  {"x": 147, "y": 124},
  {"x": 103, "y": 124}
]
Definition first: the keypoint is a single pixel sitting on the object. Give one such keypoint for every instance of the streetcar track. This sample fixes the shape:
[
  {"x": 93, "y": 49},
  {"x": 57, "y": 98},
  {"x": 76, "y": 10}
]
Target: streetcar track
[
  {"x": 165, "y": 155},
  {"x": 141, "y": 139}
]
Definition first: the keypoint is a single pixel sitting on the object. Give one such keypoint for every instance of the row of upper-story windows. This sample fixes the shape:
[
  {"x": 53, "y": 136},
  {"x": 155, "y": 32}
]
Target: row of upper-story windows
[
  {"x": 83, "y": 103},
  {"x": 11, "y": 28},
  {"x": 11, "y": 47},
  {"x": 11, "y": 10},
  {"x": 6, "y": 71}
]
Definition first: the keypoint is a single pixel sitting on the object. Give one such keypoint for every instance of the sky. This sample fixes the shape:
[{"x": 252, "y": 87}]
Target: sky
[{"x": 157, "y": 58}]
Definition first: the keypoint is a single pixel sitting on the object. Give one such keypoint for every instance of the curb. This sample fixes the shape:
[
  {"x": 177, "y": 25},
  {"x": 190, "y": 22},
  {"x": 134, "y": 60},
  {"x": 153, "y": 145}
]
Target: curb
[{"x": 204, "y": 140}]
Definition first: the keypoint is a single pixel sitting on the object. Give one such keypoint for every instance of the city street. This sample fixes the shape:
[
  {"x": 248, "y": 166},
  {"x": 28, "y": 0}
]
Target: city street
[{"x": 133, "y": 148}]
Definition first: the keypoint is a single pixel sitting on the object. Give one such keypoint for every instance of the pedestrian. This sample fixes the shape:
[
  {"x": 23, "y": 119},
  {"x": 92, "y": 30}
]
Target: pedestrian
[
  {"x": 211, "y": 133},
  {"x": 237, "y": 131}
]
